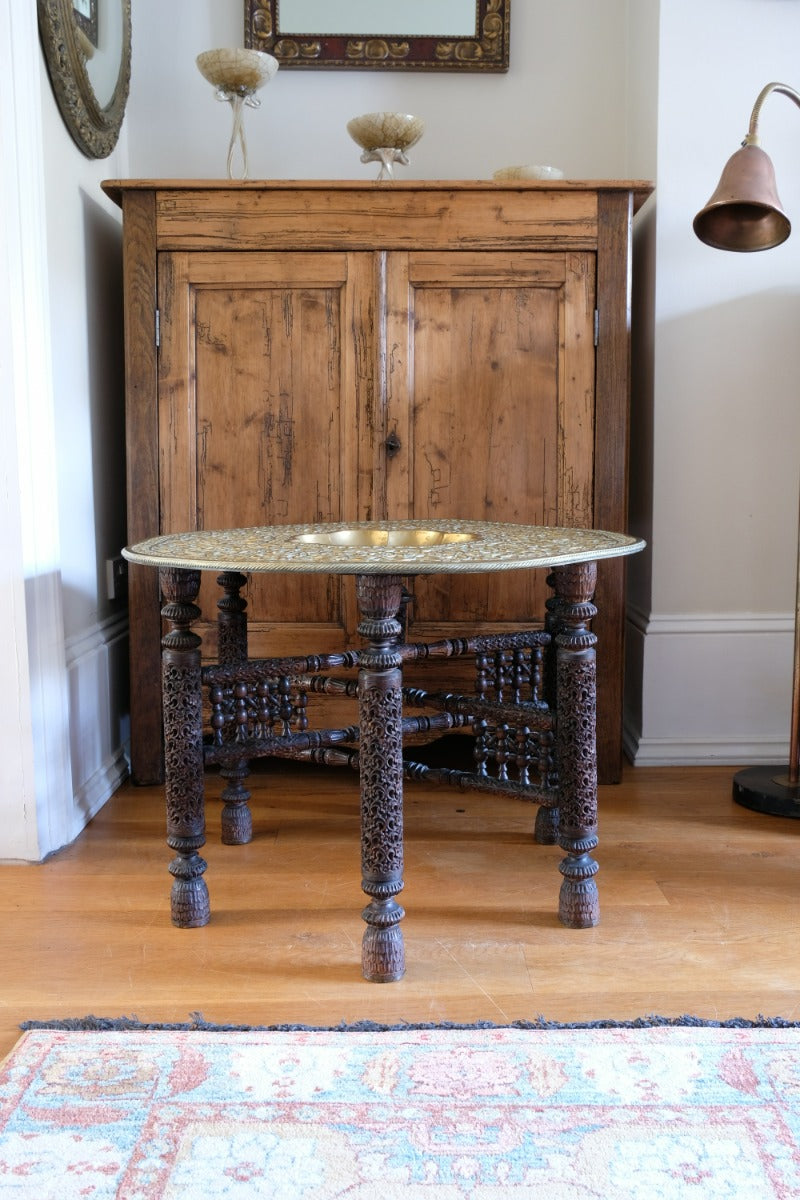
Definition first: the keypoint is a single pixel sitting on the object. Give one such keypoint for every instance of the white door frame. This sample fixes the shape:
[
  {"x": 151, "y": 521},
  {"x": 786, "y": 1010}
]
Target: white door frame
[{"x": 36, "y": 793}]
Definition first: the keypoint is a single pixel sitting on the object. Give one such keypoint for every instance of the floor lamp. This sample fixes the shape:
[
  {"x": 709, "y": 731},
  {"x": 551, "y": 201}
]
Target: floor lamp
[{"x": 745, "y": 214}]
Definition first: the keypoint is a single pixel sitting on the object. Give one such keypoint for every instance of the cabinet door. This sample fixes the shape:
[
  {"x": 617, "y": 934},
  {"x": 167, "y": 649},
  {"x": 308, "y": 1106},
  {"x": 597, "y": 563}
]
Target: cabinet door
[
  {"x": 266, "y": 369},
  {"x": 490, "y": 391}
]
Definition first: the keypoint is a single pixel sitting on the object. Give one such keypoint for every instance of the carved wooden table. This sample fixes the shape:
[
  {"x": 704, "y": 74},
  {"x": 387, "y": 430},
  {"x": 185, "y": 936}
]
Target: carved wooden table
[{"x": 532, "y": 712}]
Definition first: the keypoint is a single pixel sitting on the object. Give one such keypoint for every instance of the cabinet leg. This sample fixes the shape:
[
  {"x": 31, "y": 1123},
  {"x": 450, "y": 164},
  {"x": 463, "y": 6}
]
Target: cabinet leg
[
  {"x": 576, "y": 713},
  {"x": 236, "y": 819},
  {"x": 183, "y": 747},
  {"x": 381, "y": 776}
]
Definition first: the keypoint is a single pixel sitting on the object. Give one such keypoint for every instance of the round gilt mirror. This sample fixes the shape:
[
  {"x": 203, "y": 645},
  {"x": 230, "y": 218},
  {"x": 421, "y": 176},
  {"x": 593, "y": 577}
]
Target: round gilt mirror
[{"x": 87, "y": 45}]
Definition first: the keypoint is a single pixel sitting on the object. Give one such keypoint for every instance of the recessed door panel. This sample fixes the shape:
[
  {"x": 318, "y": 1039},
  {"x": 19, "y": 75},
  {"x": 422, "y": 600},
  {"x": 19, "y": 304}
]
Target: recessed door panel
[
  {"x": 491, "y": 396},
  {"x": 260, "y": 429}
]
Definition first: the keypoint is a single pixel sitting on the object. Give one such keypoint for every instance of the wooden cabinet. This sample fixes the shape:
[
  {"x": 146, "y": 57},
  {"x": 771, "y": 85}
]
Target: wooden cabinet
[{"x": 349, "y": 351}]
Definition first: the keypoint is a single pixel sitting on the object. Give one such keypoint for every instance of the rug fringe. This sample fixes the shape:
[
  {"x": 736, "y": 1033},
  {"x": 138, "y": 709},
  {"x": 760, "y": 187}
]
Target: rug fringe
[{"x": 198, "y": 1023}]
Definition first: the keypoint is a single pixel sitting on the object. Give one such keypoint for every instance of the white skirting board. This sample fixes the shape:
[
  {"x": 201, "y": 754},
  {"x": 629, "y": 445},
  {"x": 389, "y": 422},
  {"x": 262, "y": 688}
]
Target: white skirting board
[
  {"x": 99, "y": 725},
  {"x": 708, "y": 689}
]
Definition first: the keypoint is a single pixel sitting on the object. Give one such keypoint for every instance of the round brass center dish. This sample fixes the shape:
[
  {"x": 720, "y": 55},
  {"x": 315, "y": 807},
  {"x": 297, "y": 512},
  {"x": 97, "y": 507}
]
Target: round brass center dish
[{"x": 387, "y": 537}]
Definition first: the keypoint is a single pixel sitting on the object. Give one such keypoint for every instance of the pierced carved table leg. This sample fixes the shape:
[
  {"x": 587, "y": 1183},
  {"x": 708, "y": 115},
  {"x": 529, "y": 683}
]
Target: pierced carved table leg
[
  {"x": 381, "y": 776},
  {"x": 548, "y": 820},
  {"x": 236, "y": 819},
  {"x": 576, "y": 743},
  {"x": 183, "y": 743}
]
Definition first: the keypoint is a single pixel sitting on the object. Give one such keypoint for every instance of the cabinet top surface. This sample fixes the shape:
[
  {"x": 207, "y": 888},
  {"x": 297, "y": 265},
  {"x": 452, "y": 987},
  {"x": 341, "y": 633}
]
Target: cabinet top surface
[
  {"x": 383, "y": 548},
  {"x": 641, "y": 188}
]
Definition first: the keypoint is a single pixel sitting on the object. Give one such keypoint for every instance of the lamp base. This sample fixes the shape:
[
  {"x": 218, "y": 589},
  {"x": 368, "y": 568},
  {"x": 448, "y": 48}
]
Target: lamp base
[{"x": 767, "y": 790}]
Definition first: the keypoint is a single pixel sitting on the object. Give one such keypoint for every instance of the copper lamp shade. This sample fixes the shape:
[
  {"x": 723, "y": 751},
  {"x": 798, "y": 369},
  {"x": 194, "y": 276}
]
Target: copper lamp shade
[{"x": 745, "y": 212}]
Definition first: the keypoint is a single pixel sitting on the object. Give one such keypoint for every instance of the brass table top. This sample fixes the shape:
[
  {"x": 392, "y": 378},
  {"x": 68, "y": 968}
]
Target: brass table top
[{"x": 382, "y": 547}]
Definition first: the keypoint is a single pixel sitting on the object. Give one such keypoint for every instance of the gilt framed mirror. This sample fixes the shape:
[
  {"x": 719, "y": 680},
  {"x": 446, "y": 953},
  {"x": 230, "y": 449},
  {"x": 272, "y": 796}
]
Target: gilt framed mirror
[
  {"x": 411, "y": 35},
  {"x": 87, "y": 47}
]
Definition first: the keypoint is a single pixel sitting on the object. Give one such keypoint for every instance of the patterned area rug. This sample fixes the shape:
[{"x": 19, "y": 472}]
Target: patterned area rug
[{"x": 417, "y": 1113}]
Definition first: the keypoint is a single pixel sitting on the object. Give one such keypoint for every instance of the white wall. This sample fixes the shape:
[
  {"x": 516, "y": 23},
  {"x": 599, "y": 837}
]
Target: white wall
[
  {"x": 630, "y": 88},
  {"x": 611, "y": 88},
  {"x": 26, "y": 526},
  {"x": 63, "y": 743},
  {"x": 84, "y": 259},
  {"x": 717, "y": 484},
  {"x": 562, "y": 101}
]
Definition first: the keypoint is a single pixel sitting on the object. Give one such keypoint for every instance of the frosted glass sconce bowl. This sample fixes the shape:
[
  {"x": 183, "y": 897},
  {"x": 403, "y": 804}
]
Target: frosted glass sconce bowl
[
  {"x": 384, "y": 137},
  {"x": 236, "y": 75}
]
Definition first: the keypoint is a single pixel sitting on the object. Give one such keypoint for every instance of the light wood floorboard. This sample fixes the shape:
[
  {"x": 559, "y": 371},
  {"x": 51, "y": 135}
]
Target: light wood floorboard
[{"x": 698, "y": 902}]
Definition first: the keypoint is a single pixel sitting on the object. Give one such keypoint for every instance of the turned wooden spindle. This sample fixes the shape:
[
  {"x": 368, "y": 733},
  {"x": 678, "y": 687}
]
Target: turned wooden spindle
[
  {"x": 232, "y": 619},
  {"x": 381, "y": 776},
  {"x": 576, "y": 715},
  {"x": 236, "y": 820},
  {"x": 183, "y": 741}
]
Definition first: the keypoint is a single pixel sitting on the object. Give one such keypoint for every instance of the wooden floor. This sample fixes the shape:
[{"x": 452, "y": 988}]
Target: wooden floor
[{"x": 699, "y": 903}]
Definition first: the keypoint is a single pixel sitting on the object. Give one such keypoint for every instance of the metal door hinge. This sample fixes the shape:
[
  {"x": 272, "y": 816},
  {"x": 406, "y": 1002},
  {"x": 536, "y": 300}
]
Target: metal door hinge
[
  {"x": 596, "y": 327},
  {"x": 158, "y": 328}
]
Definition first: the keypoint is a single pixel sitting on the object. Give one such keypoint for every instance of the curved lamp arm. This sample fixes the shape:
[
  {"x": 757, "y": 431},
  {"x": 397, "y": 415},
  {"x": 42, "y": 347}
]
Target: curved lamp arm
[{"x": 751, "y": 138}]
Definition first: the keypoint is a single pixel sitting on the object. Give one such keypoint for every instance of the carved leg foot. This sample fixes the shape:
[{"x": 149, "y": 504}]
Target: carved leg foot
[
  {"x": 236, "y": 820},
  {"x": 183, "y": 747},
  {"x": 546, "y": 829},
  {"x": 381, "y": 776},
  {"x": 383, "y": 954},
  {"x": 576, "y": 743},
  {"x": 578, "y": 902},
  {"x": 189, "y": 903}
]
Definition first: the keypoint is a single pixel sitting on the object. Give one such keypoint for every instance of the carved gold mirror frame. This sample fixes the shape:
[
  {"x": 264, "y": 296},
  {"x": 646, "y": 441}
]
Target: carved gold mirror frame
[
  {"x": 486, "y": 51},
  {"x": 93, "y": 121}
]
